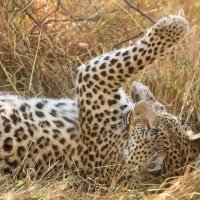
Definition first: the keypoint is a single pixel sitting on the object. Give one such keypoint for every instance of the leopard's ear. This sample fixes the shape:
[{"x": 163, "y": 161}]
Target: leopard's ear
[{"x": 195, "y": 139}]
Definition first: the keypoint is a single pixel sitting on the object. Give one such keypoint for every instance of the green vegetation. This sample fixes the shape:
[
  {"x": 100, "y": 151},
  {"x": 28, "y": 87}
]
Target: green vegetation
[{"x": 42, "y": 44}]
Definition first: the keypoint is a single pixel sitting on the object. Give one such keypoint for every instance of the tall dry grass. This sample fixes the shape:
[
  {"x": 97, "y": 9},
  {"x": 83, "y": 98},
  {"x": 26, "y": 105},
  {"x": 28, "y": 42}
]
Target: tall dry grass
[{"x": 43, "y": 42}]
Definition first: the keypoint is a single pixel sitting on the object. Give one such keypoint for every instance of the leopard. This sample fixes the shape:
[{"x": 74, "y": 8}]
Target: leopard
[
  {"x": 101, "y": 100},
  {"x": 43, "y": 134},
  {"x": 171, "y": 145}
]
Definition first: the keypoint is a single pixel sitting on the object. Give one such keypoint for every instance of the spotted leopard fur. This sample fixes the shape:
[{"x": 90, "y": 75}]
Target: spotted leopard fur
[
  {"x": 35, "y": 127},
  {"x": 32, "y": 136}
]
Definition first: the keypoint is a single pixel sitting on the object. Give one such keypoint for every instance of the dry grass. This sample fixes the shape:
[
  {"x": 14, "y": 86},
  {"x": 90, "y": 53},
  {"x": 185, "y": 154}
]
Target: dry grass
[
  {"x": 42, "y": 44},
  {"x": 185, "y": 187}
]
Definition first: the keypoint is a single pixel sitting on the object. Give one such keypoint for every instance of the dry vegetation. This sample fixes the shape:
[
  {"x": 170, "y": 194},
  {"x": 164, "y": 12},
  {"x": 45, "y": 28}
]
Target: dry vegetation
[{"x": 42, "y": 44}]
